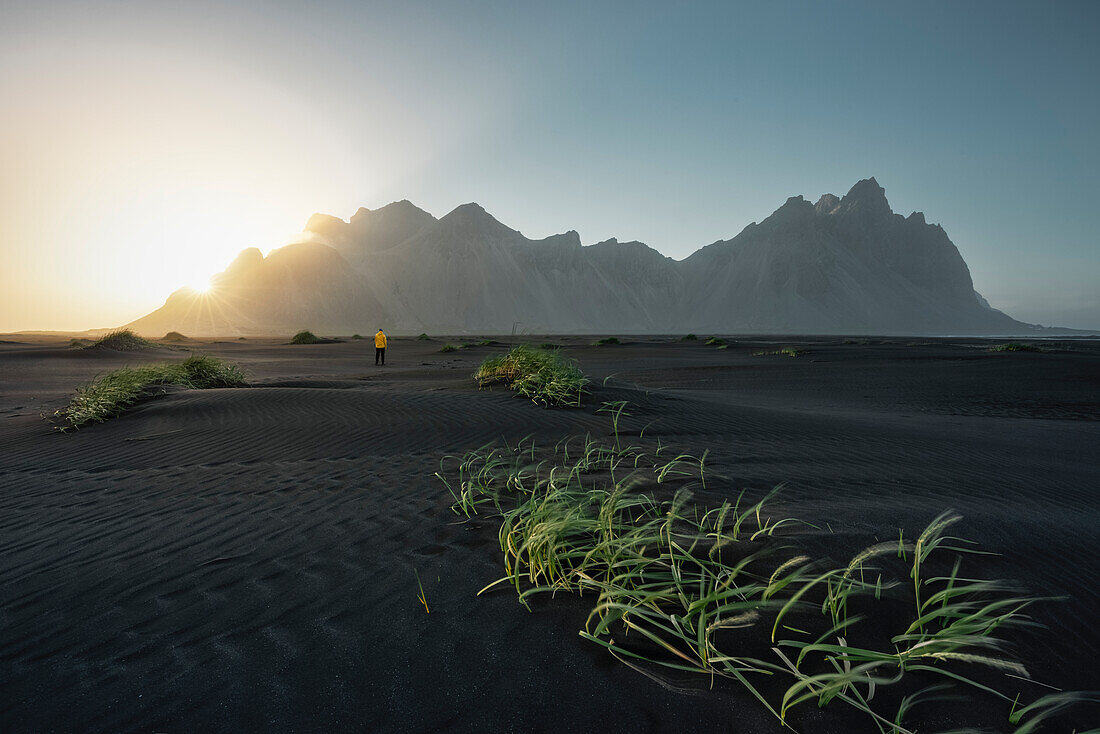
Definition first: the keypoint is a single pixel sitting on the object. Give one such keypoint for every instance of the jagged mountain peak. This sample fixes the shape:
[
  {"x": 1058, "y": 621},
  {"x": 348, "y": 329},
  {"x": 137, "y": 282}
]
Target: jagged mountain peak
[{"x": 867, "y": 197}]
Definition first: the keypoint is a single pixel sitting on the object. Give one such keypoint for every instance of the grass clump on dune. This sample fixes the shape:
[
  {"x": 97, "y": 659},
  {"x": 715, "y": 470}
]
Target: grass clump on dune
[
  {"x": 79, "y": 343},
  {"x": 422, "y": 337},
  {"x": 173, "y": 336},
  {"x": 689, "y": 338},
  {"x": 122, "y": 340},
  {"x": 448, "y": 348},
  {"x": 544, "y": 376},
  {"x": 784, "y": 352},
  {"x": 305, "y": 337},
  {"x": 110, "y": 394},
  {"x": 725, "y": 593},
  {"x": 606, "y": 340},
  {"x": 1015, "y": 347},
  {"x": 714, "y": 341},
  {"x": 356, "y": 337}
]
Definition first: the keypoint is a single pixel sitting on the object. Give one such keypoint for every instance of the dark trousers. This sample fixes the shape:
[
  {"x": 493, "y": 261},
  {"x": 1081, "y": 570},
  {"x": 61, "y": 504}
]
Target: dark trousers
[{"x": 379, "y": 354}]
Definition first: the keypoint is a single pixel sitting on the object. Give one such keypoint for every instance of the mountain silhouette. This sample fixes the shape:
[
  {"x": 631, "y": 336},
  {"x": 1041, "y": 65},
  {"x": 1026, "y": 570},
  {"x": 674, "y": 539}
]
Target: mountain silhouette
[{"x": 841, "y": 265}]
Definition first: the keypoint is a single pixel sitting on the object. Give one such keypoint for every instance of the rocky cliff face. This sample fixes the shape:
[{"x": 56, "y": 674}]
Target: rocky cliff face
[{"x": 842, "y": 265}]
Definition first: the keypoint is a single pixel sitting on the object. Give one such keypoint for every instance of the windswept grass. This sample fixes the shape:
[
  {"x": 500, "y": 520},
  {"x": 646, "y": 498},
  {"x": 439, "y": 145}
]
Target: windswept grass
[
  {"x": 79, "y": 343},
  {"x": 122, "y": 340},
  {"x": 173, "y": 336},
  {"x": 546, "y": 377},
  {"x": 689, "y": 338},
  {"x": 1015, "y": 347},
  {"x": 448, "y": 348},
  {"x": 725, "y": 593},
  {"x": 422, "y": 337},
  {"x": 714, "y": 341},
  {"x": 110, "y": 394},
  {"x": 305, "y": 336},
  {"x": 606, "y": 340}
]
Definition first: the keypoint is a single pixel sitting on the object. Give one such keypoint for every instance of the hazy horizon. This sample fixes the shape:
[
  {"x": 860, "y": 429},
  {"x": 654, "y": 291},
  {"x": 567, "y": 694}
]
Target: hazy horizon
[{"x": 144, "y": 145}]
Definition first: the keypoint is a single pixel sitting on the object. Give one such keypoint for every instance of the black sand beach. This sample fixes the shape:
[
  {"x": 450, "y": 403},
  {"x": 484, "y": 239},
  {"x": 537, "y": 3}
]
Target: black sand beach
[{"x": 246, "y": 559}]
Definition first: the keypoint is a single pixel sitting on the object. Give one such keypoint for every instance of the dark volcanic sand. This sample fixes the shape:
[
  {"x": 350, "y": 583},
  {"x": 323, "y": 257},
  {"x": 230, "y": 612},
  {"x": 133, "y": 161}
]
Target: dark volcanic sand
[{"x": 231, "y": 560}]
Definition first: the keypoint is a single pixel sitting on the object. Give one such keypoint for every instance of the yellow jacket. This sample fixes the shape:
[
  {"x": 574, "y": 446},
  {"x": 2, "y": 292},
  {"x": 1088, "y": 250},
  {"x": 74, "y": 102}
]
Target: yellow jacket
[{"x": 380, "y": 340}]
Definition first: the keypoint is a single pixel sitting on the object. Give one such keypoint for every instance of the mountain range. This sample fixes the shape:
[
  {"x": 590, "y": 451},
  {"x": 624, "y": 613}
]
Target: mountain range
[{"x": 842, "y": 265}]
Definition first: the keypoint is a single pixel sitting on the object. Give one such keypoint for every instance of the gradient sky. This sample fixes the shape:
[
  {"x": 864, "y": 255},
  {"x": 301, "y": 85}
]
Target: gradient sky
[{"x": 142, "y": 144}]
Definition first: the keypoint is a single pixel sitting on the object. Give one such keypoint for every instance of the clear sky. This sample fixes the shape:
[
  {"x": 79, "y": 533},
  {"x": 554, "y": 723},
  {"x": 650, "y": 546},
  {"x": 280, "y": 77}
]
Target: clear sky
[{"x": 142, "y": 144}]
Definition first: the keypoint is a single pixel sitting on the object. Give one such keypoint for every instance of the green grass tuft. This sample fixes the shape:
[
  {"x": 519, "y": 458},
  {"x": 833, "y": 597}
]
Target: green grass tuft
[
  {"x": 1015, "y": 347},
  {"x": 549, "y": 346},
  {"x": 715, "y": 341},
  {"x": 544, "y": 376},
  {"x": 357, "y": 337},
  {"x": 122, "y": 340},
  {"x": 173, "y": 336},
  {"x": 784, "y": 352},
  {"x": 423, "y": 337},
  {"x": 80, "y": 343},
  {"x": 110, "y": 394},
  {"x": 305, "y": 337},
  {"x": 606, "y": 340},
  {"x": 689, "y": 338},
  {"x": 725, "y": 592},
  {"x": 448, "y": 348}
]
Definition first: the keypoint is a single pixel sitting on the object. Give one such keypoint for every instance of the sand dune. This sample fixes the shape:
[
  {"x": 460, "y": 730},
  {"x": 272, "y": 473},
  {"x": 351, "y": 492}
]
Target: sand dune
[{"x": 244, "y": 559}]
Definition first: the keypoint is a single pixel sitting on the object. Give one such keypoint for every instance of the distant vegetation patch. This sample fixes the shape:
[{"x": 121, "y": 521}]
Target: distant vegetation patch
[
  {"x": 549, "y": 346},
  {"x": 356, "y": 337},
  {"x": 1015, "y": 347},
  {"x": 304, "y": 337},
  {"x": 448, "y": 348},
  {"x": 122, "y": 340},
  {"x": 784, "y": 352},
  {"x": 723, "y": 346},
  {"x": 80, "y": 343},
  {"x": 308, "y": 337},
  {"x": 485, "y": 343},
  {"x": 544, "y": 376},
  {"x": 607, "y": 340},
  {"x": 110, "y": 394},
  {"x": 174, "y": 336},
  {"x": 241, "y": 339},
  {"x": 689, "y": 338},
  {"x": 423, "y": 337},
  {"x": 856, "y": 341},
  {"x": 715, "y": 342}
]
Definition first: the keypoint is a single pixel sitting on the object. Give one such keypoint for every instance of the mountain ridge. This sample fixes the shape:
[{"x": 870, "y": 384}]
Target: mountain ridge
[{"x": 841, "y": 265}]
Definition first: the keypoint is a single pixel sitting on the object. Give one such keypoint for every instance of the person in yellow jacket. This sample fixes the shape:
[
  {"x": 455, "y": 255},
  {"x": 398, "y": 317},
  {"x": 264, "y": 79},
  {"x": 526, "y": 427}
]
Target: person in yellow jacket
[{"x": 380, "y": 347}]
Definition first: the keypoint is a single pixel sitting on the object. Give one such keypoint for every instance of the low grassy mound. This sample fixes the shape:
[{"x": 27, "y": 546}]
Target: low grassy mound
[
  {"x": 422, "y": 337},
  {"x": 689, "y": 338},
  {"x": 80, "y": 343},
  {"x": 448, "y": 348},
  {"x": 728, "y": 594},
  {"x": 549, "y": 346},
  {"x": 356, "y": 337},
  {"x": 306, "y": 337},
  {"x": 607, "y": 340},
  {"x": 544, "y": 376},
  {"x": 715, "y": 342},
  {"x": 122, "y": 340},
  {"x": 784, "y": 352},
  {"x": 1015, "y": 347},
  {"x": 110, "y": 394},
  {"x": 173, "y": 336}
]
